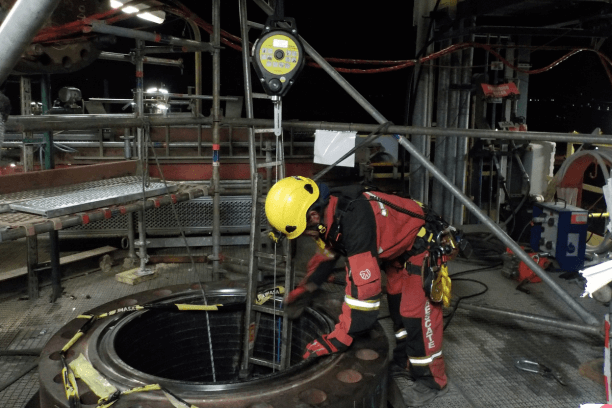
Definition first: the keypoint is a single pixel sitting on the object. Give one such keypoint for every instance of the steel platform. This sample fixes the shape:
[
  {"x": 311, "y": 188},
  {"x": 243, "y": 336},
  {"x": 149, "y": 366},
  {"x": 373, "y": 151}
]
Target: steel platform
[{"x": 87, "y": 196}]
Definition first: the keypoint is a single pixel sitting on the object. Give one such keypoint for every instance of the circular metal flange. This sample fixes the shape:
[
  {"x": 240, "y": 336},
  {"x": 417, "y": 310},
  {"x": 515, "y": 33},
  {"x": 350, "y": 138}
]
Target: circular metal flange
[{"x": 357, "y": 377}]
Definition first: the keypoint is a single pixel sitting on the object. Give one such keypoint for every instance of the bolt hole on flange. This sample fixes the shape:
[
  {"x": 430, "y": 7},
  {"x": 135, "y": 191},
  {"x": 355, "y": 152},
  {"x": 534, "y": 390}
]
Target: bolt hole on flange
[{"x": 170, "y": 348}]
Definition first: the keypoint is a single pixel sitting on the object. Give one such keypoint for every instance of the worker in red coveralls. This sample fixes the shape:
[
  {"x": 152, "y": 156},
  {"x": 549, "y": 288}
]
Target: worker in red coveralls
[{"x": 368, "y": 227}]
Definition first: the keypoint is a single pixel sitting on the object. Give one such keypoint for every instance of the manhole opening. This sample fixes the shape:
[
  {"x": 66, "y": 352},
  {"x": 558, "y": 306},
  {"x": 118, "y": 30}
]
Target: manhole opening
[{"x": 174, "y": 345}]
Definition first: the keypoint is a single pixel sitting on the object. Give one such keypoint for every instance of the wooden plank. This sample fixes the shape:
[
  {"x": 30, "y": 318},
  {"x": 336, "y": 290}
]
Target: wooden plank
[
  {"x": 132, "y": 277},
  {"x": 63, "y": 261},
  {"x": 13, "y": 183}
]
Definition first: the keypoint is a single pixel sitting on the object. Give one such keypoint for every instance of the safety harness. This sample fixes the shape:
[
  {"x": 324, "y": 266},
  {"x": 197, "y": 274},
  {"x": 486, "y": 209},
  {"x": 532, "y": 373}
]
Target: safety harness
[{"x": 435, "y": 237}]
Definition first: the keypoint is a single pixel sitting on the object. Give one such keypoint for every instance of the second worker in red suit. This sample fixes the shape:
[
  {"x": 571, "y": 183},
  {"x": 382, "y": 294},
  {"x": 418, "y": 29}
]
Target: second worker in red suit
[{"x": 370, "y": 229}]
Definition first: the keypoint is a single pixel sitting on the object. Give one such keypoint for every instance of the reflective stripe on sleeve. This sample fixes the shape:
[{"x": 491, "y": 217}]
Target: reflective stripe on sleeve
[
  {"x": 401, "y": 334},
  {"x": 366, "y": 305},
  {"x": 423, "y": 361}
]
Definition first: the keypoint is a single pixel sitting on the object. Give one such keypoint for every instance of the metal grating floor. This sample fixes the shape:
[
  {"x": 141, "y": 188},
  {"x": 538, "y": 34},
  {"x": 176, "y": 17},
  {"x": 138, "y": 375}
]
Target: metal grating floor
[
  {"x": 90, "y": 198},
  {"x": 479, "y": 350}
]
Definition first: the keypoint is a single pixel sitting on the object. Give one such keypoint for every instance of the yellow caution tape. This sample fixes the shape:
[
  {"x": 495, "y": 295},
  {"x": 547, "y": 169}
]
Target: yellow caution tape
[
  {"x": 73, "y": 340},
  {"x": 83, "y": 369},
  {"x": 181, "y": 306},
  {"x": 70, "y": 385},
  {"x": 263, "y": 297}
]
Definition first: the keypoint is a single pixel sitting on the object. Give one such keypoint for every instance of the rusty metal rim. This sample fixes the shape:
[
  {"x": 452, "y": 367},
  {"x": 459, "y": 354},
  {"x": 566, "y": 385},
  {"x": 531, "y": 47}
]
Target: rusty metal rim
[
  {"x": 104, "y": 355},
  {"x": 354, "y": 377}
]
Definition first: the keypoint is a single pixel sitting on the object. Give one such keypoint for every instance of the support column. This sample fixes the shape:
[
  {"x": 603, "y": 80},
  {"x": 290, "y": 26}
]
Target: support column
[{"x": 216, "y": 114}]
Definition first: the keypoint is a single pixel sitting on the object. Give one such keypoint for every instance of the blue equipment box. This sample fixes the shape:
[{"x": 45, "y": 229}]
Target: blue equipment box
[{"x": 560, "y": 229}]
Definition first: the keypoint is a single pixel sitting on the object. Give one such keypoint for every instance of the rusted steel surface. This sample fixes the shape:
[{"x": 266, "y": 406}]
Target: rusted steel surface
[
  {"x": 342, "y": 380},
  {"x": 13, "y": 183}
]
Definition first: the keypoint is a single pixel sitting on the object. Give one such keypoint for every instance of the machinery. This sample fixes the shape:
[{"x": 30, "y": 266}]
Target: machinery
[{"x": 560, "y": 229}]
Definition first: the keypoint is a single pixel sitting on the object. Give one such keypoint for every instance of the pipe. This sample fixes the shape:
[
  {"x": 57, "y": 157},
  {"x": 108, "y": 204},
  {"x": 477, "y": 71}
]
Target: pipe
[
  {"x": 198, "y": 65},
  {"x": 114, "y": 56},
  {"x": 19, "y": 28},
  {"x": 87, "y": 122},
  {"x": 187, "y": 96},
  {"x": 462, "y": 142},
  {"x": 216, "y": 117},
  {"x": 248, "y": 91},
  {"x": 451, "y": 144},
  {"x": 520, "y": 253},
  {"x": 531, "y": 318},
  {"x": 103, "y": 28},
  {"x": 437, "y": 197}
]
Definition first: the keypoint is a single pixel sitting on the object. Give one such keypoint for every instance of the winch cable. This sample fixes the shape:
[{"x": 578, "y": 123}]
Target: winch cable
[{"x": 148, "y": 144}]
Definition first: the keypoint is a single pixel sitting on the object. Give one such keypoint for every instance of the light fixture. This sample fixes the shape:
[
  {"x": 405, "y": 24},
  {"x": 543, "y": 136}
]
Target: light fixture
[{"x": 153, "y": 16}]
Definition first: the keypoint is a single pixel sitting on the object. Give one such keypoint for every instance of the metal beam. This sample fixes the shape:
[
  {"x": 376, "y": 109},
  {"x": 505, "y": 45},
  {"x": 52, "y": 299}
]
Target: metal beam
[
  {"x": 102, "y": 28},
  {"x": 19, "y": 28},
  {"x": 85, "y": 122}
]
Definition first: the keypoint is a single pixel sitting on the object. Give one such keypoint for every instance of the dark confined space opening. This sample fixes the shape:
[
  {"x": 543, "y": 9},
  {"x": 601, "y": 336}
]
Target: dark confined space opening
[{"x": 174, "y": 345}]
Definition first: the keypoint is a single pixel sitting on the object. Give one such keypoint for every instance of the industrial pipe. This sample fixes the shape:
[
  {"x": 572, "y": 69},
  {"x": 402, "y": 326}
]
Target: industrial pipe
[
  {"x": 103, "y": 28},
  {"x": 19, "y": 28},
  {"x": 531, "y": 318},
  {"x": 114, "y": 56},
  {"x": 216, "y": 117},
  {"x": 87, "y": 122}
]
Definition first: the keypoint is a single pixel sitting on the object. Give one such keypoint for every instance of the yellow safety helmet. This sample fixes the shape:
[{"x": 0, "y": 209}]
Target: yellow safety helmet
[{"x": 288, "y": 202}]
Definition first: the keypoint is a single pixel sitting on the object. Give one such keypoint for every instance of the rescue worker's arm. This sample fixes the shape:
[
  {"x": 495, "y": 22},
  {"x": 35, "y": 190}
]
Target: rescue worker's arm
[{"x": 318, "y": 270}]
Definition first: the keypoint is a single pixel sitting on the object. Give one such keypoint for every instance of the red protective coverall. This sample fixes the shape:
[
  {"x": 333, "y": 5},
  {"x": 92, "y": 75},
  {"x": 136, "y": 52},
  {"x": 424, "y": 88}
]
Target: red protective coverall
[{"x": 370, "y": 232}]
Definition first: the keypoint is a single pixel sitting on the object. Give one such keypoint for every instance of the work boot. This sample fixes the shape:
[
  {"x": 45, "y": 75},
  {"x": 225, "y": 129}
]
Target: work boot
[{"x": 404, "y": 391}]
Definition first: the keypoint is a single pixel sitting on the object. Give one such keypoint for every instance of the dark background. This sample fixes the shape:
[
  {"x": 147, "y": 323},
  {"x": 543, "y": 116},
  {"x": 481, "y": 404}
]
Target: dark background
[{"x": 575, "y": 95}]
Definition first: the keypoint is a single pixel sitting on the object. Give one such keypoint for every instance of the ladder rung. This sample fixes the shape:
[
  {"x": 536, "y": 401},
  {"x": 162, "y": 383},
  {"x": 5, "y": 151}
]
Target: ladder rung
[
  {"x": 264, "y": 130},
  {"x": 270, "y": 164},
  {"x": 268, "y": 309},
  {"x": 267, "y": 363},
  {"x": 270, "y": 256}
]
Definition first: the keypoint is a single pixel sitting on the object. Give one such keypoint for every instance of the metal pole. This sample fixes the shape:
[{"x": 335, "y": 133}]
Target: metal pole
[
  {"x": 248, "y": 92},
  {"x": 437, "y": 198},
  {"x": 45, "y": 91},
  {"x": 451, "y": 144},
  {"x": 527, "y": 317},
  {"x": 462, "y": 142},
  {"x": 198, "y": 64},
  {"x": 255, "y": 231},
  {"x": 114, "y": 121},
  {"x": 114, "y": 56},
  {"x": 216, "y": 227},
  {"x": 101, "y": 27},
  {"x": 139, "y": 99},
  {"x": 520, "y": 253},
  {"x": 19, "y": 28}
]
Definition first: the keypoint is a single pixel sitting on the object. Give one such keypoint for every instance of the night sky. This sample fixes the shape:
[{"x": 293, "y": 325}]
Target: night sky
[{"x": 347, "y": 30}]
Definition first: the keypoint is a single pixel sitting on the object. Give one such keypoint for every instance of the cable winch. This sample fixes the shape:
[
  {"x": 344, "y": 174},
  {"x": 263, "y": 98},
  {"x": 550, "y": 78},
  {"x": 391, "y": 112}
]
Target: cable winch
[{"x": 278, "y": 58}]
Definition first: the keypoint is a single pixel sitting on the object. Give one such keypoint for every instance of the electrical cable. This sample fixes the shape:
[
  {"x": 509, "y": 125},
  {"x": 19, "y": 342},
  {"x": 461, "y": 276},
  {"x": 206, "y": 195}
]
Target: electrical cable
[{"x": 454, "y": 278}]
